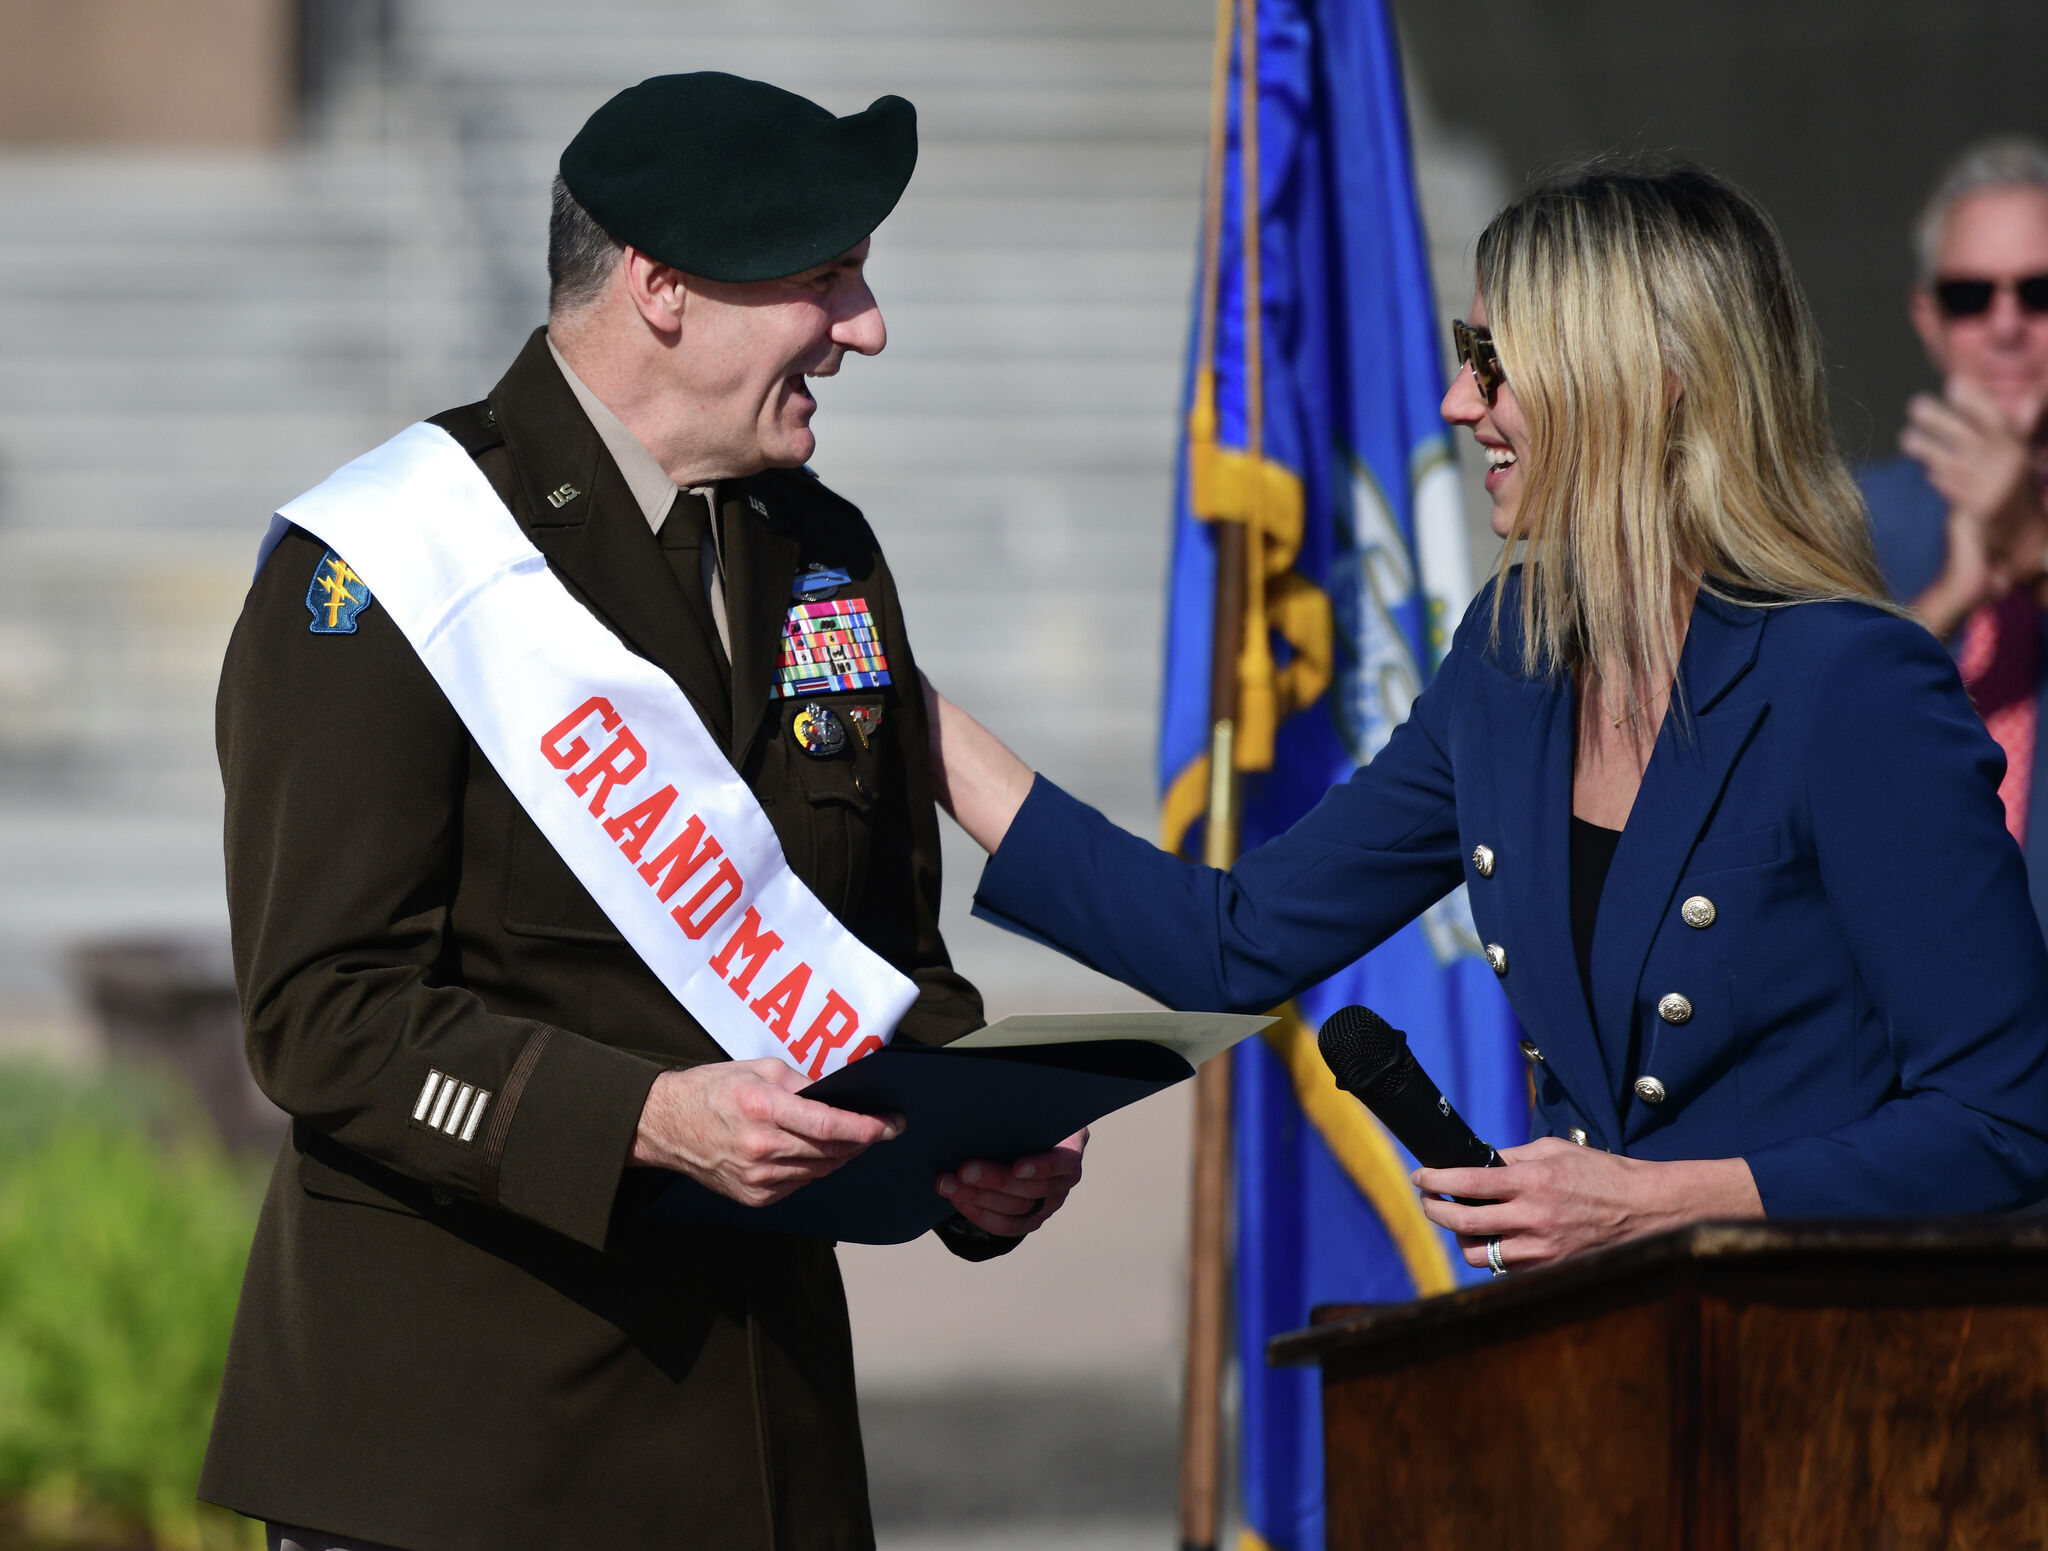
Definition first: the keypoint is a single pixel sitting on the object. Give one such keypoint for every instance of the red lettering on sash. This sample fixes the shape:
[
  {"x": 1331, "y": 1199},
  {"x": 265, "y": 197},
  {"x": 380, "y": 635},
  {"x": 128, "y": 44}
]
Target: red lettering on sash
[
  {"x": 632, "y": 827},
  {"x": 703, "y": 908},
  {"x": 752, "y": 945},
  {"x": 567, "y": 758},
  {"x": 679, "y": 860},
  {"x": 778, "y": 1008},
  {"x": 828, "y": 1031},
  {"x": 622, "y": 760},
  {"x": 744, "y": 954}
]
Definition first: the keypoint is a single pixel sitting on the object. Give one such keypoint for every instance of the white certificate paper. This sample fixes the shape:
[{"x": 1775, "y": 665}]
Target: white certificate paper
[{"x": 1194, "y": 1036}]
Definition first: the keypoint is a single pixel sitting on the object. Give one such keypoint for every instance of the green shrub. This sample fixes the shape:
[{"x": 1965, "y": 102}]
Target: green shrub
[{"x": 123, "y": 1236}]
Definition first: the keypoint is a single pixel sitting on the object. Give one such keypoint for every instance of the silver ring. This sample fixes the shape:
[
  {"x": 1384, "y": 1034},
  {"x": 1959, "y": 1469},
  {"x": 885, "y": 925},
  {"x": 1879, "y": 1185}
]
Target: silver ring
[{"x": 1500, "y": 1266}]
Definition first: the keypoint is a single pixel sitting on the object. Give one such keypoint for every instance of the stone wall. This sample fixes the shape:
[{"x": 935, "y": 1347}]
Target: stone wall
[{"x": 146, "y": 72}]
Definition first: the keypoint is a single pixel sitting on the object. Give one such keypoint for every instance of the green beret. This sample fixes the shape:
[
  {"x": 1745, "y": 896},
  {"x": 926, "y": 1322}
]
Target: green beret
[{"x": 734, "y": 179}]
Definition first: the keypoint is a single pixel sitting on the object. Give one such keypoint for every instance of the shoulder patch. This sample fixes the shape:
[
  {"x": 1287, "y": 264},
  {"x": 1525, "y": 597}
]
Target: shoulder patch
[{"x": 335, "y": 597}]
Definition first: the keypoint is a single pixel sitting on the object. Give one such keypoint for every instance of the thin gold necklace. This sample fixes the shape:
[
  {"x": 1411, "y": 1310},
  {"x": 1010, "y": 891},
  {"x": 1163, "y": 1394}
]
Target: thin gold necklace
[{"x": 1637, "y": 709}]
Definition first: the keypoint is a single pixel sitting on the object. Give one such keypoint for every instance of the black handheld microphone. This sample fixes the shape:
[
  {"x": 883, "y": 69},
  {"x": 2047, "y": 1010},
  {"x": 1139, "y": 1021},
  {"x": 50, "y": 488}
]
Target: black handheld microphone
[{"x": 1372, "y": 1062}]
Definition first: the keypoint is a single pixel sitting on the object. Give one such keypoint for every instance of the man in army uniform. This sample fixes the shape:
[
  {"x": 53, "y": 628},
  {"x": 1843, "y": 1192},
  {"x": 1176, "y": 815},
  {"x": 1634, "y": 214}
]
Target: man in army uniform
[{"x": 457, "y": 1331}]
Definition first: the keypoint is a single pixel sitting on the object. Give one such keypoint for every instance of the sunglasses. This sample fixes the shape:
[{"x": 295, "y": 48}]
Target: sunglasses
[
  {"x": 1475, "y": 349},
  {"x": 1973, "y": 298}
]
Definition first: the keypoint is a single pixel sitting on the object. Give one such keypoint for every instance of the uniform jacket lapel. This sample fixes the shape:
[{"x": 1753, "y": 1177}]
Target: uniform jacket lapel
[
  {"x": 761, "y": 554},
  {"x": 597, "y": 540},
  {"x": 1683, "y": 782}
]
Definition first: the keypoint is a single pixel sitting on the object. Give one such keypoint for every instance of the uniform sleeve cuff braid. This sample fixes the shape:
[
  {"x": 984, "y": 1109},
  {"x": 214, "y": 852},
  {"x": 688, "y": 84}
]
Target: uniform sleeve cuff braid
[{"x": 568, "y": 1141}]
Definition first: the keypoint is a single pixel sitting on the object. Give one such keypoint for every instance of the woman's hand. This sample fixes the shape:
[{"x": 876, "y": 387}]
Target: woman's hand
[
  {"x": 1554, "y": 1198},
  {"x": 974, "y": 776}
]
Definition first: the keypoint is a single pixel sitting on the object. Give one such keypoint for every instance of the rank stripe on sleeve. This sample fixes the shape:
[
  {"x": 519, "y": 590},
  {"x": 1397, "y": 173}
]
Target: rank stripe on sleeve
[{"x": 452, "y": 1107}]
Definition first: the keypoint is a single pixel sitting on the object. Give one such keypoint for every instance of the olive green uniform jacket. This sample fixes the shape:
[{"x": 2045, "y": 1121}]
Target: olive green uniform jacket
[{"x": 450, "y": 1346}]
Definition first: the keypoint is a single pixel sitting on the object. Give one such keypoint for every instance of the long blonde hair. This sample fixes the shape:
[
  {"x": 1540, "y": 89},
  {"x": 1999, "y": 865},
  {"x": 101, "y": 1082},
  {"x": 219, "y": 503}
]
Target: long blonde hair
[{"x": 1664, "y": 357}]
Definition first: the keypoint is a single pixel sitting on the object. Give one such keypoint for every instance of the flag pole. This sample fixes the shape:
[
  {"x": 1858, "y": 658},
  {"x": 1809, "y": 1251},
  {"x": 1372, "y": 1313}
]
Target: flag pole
[
  {"x": 1202, "y": 1460},
  {"x": 1208, "y": 1333}
]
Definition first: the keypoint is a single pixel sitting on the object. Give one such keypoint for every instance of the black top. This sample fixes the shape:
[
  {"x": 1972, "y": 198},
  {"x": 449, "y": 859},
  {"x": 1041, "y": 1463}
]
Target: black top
[{"x": 1592, "y": 854}]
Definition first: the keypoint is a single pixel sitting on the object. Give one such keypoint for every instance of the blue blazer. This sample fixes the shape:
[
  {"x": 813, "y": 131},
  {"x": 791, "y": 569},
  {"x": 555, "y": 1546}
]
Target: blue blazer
[{"x": 1868, "y": 1020}]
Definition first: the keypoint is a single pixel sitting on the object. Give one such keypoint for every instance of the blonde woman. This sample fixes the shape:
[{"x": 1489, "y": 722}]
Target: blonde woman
[{"x": 1729, "y": 826}]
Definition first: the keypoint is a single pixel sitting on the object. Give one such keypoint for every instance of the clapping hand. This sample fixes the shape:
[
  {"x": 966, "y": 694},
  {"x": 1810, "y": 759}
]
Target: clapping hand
[{"x": 1984, "y": 461}]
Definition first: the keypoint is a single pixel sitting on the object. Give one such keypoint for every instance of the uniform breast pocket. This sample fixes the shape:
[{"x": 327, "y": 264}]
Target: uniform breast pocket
[
  {"x": 831, "y": 752},
  {"x": 542, "y": 896}
]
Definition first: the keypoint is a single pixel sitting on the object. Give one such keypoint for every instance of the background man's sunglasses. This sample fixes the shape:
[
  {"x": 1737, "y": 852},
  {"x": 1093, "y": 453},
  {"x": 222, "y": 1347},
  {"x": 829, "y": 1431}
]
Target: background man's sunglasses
[
  {"x": 1475, "y": 349},
  {"x": 1972, "y": 298}
]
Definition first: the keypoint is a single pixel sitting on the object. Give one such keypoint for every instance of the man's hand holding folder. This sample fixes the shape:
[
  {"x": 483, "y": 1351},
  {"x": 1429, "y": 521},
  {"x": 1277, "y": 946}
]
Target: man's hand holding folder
[
  {"x": 741, "y": 1129},
  {"x": 1014, "y": 1200},
  {"x": 917, "y": 1132}
]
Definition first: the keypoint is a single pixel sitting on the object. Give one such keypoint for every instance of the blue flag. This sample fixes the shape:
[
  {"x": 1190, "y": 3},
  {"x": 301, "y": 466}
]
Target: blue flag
[{"x": 1313, "y": 418}]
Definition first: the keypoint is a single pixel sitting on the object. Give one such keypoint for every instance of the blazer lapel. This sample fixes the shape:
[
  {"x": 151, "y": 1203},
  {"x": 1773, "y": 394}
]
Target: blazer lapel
[
  {"x": 761, "y": 554},
  {"x": 1687, "y": 771},
  {"x": 597, "y": 539},
  {"x": 1533, "y": 871}
]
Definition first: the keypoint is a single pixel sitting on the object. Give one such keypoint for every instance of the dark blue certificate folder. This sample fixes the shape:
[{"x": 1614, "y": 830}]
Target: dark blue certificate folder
[{"x": 993, "y": 1104}]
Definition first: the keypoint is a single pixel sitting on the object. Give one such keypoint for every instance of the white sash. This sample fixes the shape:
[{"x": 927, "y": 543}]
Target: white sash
[{"x": 606, "y": 756}]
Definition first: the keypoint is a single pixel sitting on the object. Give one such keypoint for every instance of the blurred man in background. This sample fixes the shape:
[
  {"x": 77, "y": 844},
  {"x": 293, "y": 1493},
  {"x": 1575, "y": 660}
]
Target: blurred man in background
[{"x": 1959, "y": 520}]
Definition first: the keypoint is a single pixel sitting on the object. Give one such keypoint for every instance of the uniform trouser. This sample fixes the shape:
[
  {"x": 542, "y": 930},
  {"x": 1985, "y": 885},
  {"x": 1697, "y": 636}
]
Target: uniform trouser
[{"x": 289, "y": 1537}]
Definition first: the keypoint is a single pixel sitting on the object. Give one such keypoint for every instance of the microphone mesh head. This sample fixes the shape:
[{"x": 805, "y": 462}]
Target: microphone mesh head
[{"x": 1359, "y": 1046}]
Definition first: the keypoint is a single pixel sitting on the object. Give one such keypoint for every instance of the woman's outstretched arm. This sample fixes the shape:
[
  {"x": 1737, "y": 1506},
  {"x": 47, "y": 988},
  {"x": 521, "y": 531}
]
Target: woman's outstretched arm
[
  {"x": 1374, "y": 853},
  {"x": 976, "y": 777}
]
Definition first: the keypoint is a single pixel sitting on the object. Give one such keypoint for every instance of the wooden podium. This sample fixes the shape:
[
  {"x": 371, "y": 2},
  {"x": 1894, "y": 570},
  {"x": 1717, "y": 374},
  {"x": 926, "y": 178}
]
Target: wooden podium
[{"x": 1804, "y": 1386}]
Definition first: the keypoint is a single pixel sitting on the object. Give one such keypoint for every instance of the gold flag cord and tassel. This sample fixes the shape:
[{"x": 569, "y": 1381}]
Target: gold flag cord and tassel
[{"x": 1240, "y": 485}]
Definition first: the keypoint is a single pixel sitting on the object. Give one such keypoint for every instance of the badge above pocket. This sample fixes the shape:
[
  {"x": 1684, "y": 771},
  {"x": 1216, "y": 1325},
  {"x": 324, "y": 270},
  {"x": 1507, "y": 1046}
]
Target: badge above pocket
[
  {"x": 864, "y": 718},
  {"x": 818, "y": 582},
  {"x": 818, "y": 732}
]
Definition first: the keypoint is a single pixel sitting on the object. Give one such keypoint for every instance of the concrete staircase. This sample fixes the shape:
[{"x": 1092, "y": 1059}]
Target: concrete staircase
[{"x": 186, "y": 341}]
